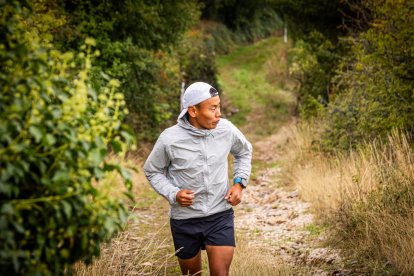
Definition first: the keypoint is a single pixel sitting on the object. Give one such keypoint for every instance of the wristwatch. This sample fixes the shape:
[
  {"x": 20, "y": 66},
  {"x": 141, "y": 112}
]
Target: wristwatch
[{"x": 241, "y": 181}]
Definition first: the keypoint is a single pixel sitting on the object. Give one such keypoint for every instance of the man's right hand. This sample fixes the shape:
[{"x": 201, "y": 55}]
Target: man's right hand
[{"x": 185, "y": 197}]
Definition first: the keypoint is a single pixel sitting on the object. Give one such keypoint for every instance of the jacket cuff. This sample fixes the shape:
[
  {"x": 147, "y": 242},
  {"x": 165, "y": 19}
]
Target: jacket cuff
[{"x": 172, "y": 196}]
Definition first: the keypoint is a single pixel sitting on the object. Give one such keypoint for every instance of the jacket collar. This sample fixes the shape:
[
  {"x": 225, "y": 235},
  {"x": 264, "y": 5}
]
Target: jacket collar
[{"x": 184, "y": 123}]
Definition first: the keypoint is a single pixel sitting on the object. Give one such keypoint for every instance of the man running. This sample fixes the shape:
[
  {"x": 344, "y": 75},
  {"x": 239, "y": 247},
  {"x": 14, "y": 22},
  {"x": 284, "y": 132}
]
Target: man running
[{"x": 188, "y": 166}]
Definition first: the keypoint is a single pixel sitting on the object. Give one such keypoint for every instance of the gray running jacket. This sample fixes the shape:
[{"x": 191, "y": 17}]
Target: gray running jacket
[{"x": 185, "y": 157}]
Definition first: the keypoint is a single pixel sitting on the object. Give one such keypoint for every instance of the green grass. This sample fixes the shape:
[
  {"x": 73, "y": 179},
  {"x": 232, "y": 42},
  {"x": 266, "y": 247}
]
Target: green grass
[
  {"x": 146, "y": 199},
  {"x": 243, "y": 77},
  {"x": 314, "y": 230},
  {"x": 250, "y": 57}
]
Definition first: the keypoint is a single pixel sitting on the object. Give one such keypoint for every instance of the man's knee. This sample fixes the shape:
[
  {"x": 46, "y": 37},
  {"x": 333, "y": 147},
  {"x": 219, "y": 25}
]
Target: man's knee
[
  {"x": 219, "y": 269},
  {"x": 190, "y": 266}
]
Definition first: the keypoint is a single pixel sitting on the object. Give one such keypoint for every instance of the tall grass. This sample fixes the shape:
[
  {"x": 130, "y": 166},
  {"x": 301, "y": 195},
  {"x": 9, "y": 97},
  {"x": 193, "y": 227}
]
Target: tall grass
[
  {"x": 145, "y": 246},
  {"x": 131, "y": 253},
  {"x": 276, "y": 66},
  {"x": 250, "y": 260},
  {"x": 367, "y": 195}
]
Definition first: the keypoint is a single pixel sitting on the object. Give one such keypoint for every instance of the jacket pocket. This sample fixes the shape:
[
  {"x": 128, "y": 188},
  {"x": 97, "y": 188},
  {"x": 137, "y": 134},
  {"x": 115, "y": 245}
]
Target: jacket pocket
[
  {"x": 187, "y": 167},
  {"x": 184, "y": 157}
]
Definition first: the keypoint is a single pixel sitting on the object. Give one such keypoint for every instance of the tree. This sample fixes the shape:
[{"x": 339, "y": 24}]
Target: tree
[
  {"x": 375, "y": 79},
  {"x": 55, "y": 130},
  {"x": 137, "y": 41}
]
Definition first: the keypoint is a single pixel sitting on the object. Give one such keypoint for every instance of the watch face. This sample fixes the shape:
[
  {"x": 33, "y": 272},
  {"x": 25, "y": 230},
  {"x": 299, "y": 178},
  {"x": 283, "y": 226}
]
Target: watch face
[{"x": 241, "y": 181}]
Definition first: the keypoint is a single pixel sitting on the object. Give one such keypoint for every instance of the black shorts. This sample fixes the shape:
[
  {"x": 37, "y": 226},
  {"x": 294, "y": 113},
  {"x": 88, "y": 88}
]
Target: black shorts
[{"x": 191, "y": 235}]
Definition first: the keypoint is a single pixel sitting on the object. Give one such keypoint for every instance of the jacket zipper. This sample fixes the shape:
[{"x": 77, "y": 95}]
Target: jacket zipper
[{"x": 205, "y": 169}]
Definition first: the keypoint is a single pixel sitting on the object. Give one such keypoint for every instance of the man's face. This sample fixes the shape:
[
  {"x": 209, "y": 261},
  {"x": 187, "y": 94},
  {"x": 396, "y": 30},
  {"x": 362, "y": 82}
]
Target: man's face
[{"x": 206, "y": 115}]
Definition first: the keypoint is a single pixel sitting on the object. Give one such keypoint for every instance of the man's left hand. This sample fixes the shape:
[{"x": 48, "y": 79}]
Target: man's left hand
[{"x": 234, "y": 195}]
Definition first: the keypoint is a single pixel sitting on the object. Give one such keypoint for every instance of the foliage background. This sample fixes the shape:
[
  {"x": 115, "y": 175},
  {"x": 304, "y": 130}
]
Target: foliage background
[
  {"x": 56, "y": 127},
  {"x": 66, "y": 99}
]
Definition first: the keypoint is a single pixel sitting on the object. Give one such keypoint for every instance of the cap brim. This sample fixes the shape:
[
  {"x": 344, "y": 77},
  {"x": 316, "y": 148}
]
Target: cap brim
[{"x": 183, "y": 112}]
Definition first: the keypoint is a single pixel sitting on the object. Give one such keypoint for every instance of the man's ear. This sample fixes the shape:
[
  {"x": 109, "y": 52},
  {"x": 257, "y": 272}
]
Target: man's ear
[{"x": 192, "y": 111}]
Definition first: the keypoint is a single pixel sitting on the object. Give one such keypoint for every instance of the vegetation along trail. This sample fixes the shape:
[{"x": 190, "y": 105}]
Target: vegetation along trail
[
  {"x": 275, "y": 230},
  {"x": 87, "y": 88},
  {"x": 272, "y": 218}
]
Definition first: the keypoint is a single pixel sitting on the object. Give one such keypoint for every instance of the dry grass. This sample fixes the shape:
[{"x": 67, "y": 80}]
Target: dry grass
[
  {"x": 276, "y": 67},
  {"x": 249, "y": 260},
  {"x": 132, "y": 253},
  {"x": 145, "y": 246},
  {"x": 368, "y": 195},
  {"x": 327, "y": 181}
]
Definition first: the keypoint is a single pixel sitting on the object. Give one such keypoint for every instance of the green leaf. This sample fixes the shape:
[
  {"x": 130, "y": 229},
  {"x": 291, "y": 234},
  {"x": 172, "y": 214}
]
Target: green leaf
[
  {"x": 109, "y": 226},
  {"x": 130, "y": 196},
  {"x": 92, "y": 93},
  {"x": 56, "y": 113},
  {"x": 67, "y": 208},
  {"x": 127, "y": 136},
  {"x": 96, "y": 156},
  {"x": 105, "y": 76},
  {"x": 98, "y": 173},
  {"x": 50, "y": 139},
  {"x": 116, "y": 146},
  {"x": 125, "y": 173},
  {"x": 65, "y": 253},
  {"x": 36, "y": 132},
  {"x": 84, "y": 241},
  {"x": 108, "y": 167},
  {"x": 19, "y": 228},
  {"x": 7, "y": 208},
  {"x": 61, "y": 176}
]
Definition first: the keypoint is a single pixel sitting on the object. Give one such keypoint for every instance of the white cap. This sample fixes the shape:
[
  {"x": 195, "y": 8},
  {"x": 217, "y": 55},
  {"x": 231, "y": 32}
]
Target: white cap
[{"x": 195, "y": 94}]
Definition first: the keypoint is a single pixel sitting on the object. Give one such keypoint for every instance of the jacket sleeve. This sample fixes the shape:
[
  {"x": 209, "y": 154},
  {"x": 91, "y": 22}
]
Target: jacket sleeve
[
  {"x": 155, "y": 168},
  {"x": 241, "y": 149}
]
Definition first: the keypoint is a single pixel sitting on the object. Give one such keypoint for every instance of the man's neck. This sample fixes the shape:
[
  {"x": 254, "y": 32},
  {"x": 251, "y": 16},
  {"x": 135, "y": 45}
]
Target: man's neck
[{"x": 193, "y": 122}]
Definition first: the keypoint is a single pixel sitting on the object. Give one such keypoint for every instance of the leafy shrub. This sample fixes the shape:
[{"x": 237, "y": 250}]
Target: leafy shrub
[
  {"x": 197, "y": 59},
  {"x": 312, "y": 64},
  {"x": 55, "y": 131},
  {"x": 375, "y": 81},
  {"x": 150, "y": 80},
  {"x": 249, "y": 20},
  {"x": 137, "y": 41},
  {"x": 218, "y": 37},
  {"x": 263, "y": 24}
]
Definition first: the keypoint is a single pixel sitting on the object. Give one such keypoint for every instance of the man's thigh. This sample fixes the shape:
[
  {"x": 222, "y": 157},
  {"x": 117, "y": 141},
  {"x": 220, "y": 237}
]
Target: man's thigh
[{"x": 219, "y": 259}]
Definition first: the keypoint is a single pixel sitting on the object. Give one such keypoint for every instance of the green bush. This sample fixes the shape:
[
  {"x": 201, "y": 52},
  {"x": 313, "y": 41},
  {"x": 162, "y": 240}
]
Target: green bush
[
  {"x": 263, "y": 24},
  {"x": 375, "y": 81},
  {"x": 218, "y": 37},
  {"x": 312, "y": 64},
  {"x": 55, "y": 131},
  {"x": 249, "y": 20},
  {"x": 150, "y": 81},
  {"x": 197, "y": 59},
  {"x": 138, "y": 42}
]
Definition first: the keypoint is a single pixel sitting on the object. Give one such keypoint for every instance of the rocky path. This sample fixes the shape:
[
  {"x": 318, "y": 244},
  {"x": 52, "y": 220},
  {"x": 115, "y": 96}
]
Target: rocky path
[{"x": 279, "y": 222}]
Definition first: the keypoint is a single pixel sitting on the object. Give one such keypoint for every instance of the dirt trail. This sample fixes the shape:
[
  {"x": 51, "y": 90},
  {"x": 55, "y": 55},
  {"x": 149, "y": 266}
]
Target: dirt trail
[{"x": 278, "y": 221}]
